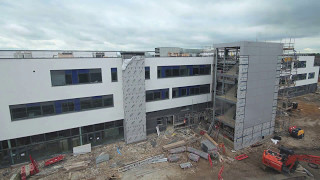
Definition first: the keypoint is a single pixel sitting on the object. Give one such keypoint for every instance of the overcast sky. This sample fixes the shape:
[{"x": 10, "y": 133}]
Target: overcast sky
[{"x": 146, "y": 24}]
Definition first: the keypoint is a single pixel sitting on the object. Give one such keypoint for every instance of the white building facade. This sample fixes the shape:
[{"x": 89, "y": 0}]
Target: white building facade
[
  {"x": 303, "y": 76},
  {"x": 52, "y": 101}
]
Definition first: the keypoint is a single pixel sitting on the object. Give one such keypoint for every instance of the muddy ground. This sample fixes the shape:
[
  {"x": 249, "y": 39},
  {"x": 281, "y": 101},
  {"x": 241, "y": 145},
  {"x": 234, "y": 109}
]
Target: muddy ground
[{"x": 307, "y": 117}]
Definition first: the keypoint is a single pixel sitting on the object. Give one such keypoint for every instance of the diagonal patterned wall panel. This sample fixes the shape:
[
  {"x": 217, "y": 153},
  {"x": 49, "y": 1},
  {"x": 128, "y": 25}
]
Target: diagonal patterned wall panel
[{"x": 134, "y": 100}]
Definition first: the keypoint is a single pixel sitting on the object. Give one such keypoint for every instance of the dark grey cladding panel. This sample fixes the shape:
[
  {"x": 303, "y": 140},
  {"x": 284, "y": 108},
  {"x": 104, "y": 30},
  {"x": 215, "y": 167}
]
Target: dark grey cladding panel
[{"x": 134, "y": 100}]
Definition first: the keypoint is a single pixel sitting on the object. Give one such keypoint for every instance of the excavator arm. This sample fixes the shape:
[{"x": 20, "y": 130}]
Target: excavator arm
[{"x": 306, "y": 158}]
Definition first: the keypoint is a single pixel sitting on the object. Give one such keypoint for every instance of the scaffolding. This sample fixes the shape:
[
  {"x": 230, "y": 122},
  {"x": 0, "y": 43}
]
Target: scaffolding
[
  {"x": 288, "y": 74},
  {"x": 227, "y": 79}
]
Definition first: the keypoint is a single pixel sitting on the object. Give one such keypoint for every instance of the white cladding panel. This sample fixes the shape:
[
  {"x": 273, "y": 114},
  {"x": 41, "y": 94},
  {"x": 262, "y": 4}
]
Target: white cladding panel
[
  {"x": 28, "y": 81},
  {"x": 308, "y": 69},
  {"x": 160, "y": 83},
  {"x": 20, "y": 85}
]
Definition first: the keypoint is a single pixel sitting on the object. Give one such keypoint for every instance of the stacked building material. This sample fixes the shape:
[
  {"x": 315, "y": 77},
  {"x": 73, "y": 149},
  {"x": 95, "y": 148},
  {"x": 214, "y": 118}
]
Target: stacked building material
[
  {"x": 174, "y": 145},
  {"x": 178, "y": 150},
  {"x": 173, "y": 158},
  {"x": 194, "y": 157},
  {"x": 210, "y": 148},
  {"x": 185, "y": 165},
  {"x": 198, "y": 152}
]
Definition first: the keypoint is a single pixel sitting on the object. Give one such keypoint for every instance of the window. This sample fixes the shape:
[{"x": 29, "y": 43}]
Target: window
[
  {"x": 67, "y": 106},
  {"x": 147, "y": 72},
  {"x": 205, "y": 89},
  {"x": 168, "y": 72},
  {"x": 149, "y": 96},
  {"x": 109, "y": 125},
  {"x": 156, "y": 95},
  {"x": 190, "y": 90},
  {"x": 159, "y": 121},
  {"x": 18, "y": 112},
  {"x": 114, "y": 75},
  {"x": 99, "y": 127},
  {"x": 85, "y": 103},
  {"x": 108, "y": 101},
  {"x": 303, "y": 76},
  {"x": 183, "y": 92},
  {"x": 119, "y": 123},
  {"x": 207, "y": 69},
  {"x": 311, "y": 75},
  {"x": 183, "y": 71},
  {"x": 47, "y": 108},
  {"x": 95, "y": 75},
  {"x": 180, "y": 71},
  {"x": 68, "y": 78},
  {"x": 175, "y": 72},
  {"x": 175, "y": 92},
  {"x": 298, "y": 77},
  {"x": 196, "y": 70},
  {"x": 300, "y": 64},
  {"x": 75, "y": 76},
  {"x": 194, "y": 90},
  {"x": 83, "y": 77},
  {"x": 159, "y": 94},
  {"x": 167, "y": 94},
  {"x": 37, "y": 138},
  {"x": 32, "y": 110},
  {"x": 58, "y": 78},
  {"x": 97, "y": 102},
  {"x": 159, "y": 72}
]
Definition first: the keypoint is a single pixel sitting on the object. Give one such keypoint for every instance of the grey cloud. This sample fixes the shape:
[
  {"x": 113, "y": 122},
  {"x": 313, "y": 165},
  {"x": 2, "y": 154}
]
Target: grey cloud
[{"x": 145, "y": 24}]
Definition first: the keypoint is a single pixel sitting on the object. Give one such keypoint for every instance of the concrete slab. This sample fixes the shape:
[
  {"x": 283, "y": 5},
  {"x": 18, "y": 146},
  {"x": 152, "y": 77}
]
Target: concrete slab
[
  {"x": 208, "y": 147},
  {"x": 185, "y": 165},
  {"x": 178, "y": 150},
  {"x": 82, "y": 149},
  {"x": 194, "y": 157},
  {"x": 173, "y": 158},
  {"x": 102, "y": 158},
  {"x": 198, "y": 152}
]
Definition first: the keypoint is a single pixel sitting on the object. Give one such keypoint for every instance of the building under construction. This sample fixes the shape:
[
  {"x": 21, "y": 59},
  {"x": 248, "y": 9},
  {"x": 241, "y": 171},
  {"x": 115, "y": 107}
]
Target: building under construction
[
  {"x": 52, "y": 101},
  {"x": 246, "y": 90}
]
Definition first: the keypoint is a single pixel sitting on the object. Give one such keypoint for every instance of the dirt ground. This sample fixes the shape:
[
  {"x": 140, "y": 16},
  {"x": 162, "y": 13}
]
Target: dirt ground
[{"x": 307, "y": 117}]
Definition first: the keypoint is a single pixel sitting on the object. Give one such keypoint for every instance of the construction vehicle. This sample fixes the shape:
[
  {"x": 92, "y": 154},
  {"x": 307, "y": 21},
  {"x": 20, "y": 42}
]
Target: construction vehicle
[
  {"x": 286, "y": 161},
  {"x": 296, "y": 132}
]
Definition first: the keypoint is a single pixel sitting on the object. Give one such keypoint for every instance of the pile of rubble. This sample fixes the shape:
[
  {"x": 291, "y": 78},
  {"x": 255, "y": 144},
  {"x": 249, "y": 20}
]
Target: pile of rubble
[{"x": 178, "y": 148}]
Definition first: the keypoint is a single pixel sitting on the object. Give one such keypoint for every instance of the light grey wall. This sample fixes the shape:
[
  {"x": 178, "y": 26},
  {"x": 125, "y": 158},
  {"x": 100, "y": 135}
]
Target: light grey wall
[
  {"x": 134, "y": 104},
  {"x": 261, "y": 92},
  {"x": 28, "y": 81}
]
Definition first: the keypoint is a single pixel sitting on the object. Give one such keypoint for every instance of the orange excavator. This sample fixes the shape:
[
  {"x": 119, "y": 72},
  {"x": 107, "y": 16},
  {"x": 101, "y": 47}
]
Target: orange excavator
[{"x": 286, "y": 161}]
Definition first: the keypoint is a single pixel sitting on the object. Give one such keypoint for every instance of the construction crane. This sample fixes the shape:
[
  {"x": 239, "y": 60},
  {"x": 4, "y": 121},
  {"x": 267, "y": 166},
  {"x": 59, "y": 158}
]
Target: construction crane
[{"x": 286, "y": 161}]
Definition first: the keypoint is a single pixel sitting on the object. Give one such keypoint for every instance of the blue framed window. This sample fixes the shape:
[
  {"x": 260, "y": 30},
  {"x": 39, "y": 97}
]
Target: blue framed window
[
  {"x": 300, "y": 64},
  {"x": 114, "y": 75},
  {"x": 190, "y": 90},
  {"x": 33, "y": 110},
  {"x": 311, "y": 75},
  {"x": 75, "y": 76},
  {"x": 180, "y": 71},
  {"x": 298, "y": 77},
  {"x": 158, "y": 94},
  {"x": 147, "y": 72}
]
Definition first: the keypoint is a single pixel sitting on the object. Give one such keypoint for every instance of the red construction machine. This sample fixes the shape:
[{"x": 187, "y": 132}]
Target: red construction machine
[{"x": 286, "y": 160}]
